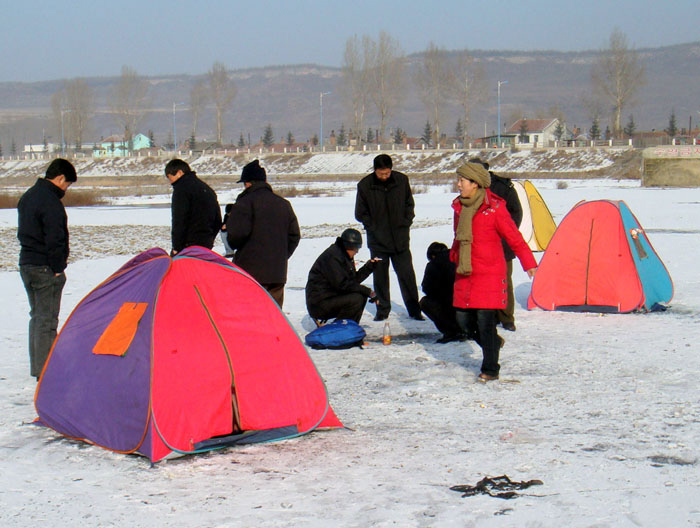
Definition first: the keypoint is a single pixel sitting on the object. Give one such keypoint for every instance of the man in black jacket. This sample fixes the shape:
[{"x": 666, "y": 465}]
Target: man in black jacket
[
  {"x": 384, "y": 204},
  {"x": 263, "y": 230},
  {"x": 196, "y": 215},
  {"x": 503, "y": 187},
  {"x": 42, "y": 230},
  {"x": 438, "y": 286},
  {"x": 334, "y": 289}
]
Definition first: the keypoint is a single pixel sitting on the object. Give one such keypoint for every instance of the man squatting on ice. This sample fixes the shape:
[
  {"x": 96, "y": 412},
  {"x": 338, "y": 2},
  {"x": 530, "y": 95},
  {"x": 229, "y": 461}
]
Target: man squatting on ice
[
  {"x": 334, "y": 289},
  {"x": 42, "y": 230},
  {"x": 385, "y": 207},
  {"x": 480, "y": 222}
]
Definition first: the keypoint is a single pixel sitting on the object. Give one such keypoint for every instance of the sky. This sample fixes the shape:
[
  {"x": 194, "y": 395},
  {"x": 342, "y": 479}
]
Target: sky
[{"x": 45, "y": 40}]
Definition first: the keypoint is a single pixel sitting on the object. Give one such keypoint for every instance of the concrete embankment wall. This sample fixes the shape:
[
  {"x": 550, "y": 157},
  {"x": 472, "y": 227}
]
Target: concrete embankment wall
[
  {"x": 544, "y": 163},
  {"x": 671, "y": 166}
]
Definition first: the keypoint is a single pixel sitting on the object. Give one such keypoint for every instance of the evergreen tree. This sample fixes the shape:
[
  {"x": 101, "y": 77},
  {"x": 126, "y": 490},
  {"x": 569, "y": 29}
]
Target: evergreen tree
[
  {"x": 268, "y": 137},
  {"x": 0, "y": 150},
  {"x": 241, "y": 141},
  {"x": 399, "y": 135},
  {"x": 672, "y": 129},
  {"x": 608, "y": 134},
  {"x": 314, "y": 140},
  {"x": 370, "y": 136},
  {"x": 559, "y": 131},
  {"x": 523, "y": 131},
  {"x": 13, "y": 147},
  {"x": 427, "y": 137},
  {"x": 193, "y": 142},
  {"x": 594, "y": 132},
  {"x": 342, "y": 138},
  {"x": 459, "y": 130},
  {"x": 152, "y": 138},
  {"x": 290, "y": 139},
  {"x": 630, "y": 127}
]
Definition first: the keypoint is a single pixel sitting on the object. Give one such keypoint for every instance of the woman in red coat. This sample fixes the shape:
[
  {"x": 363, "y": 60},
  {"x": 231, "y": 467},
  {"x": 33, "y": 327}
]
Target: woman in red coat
[{"x": 480, "y": 221}]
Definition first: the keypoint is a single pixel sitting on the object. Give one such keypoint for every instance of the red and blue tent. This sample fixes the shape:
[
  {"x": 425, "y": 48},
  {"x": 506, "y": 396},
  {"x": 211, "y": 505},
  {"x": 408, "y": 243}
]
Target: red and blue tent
[
  {"x": 183, "y": 355},
  {"x": 600, "y": 260}
]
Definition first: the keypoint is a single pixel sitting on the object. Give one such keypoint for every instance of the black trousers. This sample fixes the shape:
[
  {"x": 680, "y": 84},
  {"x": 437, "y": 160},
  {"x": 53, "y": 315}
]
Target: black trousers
[
  {"x": 441, "y": 314},
  {"x": 403, "y": 266},
  {"x": 44, "y": 289},
  {"x": 482, "y": 324},
  {"x": 346, "y": 306}
]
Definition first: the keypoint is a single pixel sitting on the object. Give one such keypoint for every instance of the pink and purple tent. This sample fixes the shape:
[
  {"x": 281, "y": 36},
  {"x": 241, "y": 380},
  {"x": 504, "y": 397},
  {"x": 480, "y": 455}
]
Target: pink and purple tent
[{"x": 181, "y": 355}]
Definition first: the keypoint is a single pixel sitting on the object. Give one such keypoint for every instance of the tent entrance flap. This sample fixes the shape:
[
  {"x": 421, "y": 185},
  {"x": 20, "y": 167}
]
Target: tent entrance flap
[{"x": 248, "y": 437}]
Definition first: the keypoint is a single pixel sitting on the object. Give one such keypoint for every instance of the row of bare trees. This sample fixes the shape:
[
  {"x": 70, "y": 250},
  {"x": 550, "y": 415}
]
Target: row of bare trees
[
  {"x": 373, "y": 71},
  {"x": 373, "y": 78},
  {"x": 74, "y": 104}
]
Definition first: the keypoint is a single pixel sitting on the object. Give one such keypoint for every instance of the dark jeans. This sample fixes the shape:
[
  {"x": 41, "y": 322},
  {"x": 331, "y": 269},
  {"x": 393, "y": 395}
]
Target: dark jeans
[
  {"x": 443, "y": 315},
  {"x": 508, "y": 315},
  {"x": 44, "y": 292},
  {"x": 346, "y": 306},
  {"x": 403, "y": 266},
  {"x": 482, "y": 324}
]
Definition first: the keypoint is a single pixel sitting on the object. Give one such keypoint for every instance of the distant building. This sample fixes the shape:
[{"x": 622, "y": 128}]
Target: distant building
[
  {"x": 116, "y": 146},
  {"x": 539, "y": 132}
]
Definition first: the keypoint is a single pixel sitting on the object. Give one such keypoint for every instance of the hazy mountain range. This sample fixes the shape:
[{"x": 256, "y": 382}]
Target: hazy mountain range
[{"x": 287, "y": 97}]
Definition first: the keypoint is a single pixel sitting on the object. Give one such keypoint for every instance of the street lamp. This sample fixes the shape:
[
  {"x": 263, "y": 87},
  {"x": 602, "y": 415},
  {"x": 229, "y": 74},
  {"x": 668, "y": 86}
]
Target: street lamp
[
  {"x": 320, "y": 139},
  {"x": 175, "y": 129},
  {"x": 499, "y": 110}
]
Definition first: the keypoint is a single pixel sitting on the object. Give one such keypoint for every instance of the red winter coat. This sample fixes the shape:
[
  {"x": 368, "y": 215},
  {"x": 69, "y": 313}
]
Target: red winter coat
[{"x": 487, "y": 287}]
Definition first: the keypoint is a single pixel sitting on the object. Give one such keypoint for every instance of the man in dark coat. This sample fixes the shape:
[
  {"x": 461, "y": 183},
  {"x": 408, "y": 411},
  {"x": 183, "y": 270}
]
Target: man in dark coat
[
  {"x": 438, "y": 286},
  {"x": 42, "y": 230},
  {"x": 334, "y": 289},
  {"x": 384, "y": 204},
  {"x": 504, "y": 188},
  {"x": 263, "y": 230},
  {"x": 195, "y": 211}
]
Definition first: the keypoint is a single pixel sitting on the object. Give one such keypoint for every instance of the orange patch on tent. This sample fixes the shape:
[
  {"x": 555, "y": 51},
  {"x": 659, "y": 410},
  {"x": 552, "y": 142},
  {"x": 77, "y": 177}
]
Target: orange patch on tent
[{"x": 120, "y": 332}]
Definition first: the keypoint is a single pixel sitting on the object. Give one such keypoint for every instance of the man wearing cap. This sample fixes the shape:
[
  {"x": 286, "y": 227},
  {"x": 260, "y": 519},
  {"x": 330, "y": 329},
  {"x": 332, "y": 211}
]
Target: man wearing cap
[
  {"x": 195, "y": 212},
  {"x": 385, "y": 206},
  {"x": 263, "y": 230},
  {"x": 334, "y": 289},
  {"x": 480, "y": 222}
]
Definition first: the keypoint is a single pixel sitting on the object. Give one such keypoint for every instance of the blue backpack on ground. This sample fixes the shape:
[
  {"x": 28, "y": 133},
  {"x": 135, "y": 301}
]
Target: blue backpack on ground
[{"x": 341, "y": 333}]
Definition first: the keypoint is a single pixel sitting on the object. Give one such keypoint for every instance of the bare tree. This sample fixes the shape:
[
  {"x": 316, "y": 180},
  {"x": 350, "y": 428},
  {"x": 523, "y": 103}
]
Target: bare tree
[
  {"x": 617, "y": 77},
  {"x": 129, "y": 101},
  {"x": 80, "y": 103},
  {"x": 198, "y": 100},
  {"x": 223, "y": 91},
  {"x": 385, "y": 60},
  {"x": 354, "y": 87},
  {"x": 434, "y": 79},
  {"x": 469, "y": 88}
]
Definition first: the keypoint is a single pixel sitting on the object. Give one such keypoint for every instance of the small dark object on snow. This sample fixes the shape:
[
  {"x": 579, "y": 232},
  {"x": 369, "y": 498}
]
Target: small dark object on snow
[{"x": 500, "y": 487}]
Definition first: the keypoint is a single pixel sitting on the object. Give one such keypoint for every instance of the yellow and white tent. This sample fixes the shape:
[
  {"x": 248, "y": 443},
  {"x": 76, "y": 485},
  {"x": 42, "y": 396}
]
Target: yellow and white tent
[{"x": 537, "y": 226}]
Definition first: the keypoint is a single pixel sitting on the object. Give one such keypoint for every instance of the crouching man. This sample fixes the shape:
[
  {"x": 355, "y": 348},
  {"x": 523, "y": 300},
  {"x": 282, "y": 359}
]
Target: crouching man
[{"x": 334, "y": 289}]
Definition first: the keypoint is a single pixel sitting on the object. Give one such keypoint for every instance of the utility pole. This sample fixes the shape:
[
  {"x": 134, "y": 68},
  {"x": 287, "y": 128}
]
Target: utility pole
[
  {"x": 320, "y": 139},
  {"x": 499, "y": 110}
]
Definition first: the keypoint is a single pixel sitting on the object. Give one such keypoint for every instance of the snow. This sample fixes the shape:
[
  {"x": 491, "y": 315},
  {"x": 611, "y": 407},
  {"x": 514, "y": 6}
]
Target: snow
[{"x": 603, "y": 409}]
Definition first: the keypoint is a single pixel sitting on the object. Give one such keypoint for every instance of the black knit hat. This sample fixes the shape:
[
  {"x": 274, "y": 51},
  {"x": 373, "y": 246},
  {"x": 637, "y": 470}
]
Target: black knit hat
[{"x": 253, "y": 172}]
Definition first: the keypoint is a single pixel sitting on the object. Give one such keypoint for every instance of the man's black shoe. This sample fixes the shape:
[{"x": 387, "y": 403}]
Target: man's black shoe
[
  {"x": 508, "y": 326},
  {"x": 380, "y": 317},
  {"x": 418, "y": 317},
  {"x": 450, "y": 338}
]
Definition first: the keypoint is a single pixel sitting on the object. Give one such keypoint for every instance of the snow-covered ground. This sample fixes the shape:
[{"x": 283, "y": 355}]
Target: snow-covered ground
[{"x": 604, "y": 410}]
